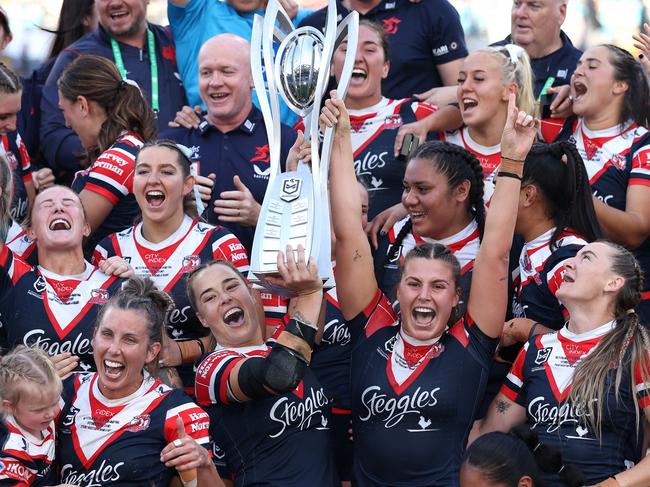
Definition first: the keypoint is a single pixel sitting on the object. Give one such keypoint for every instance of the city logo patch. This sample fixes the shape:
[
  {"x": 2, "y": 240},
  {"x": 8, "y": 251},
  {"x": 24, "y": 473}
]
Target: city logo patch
[
  {"x": 542, "y": 355},
  {"x": 290, "y": 189},
  {"x": 390, "y": 25}
]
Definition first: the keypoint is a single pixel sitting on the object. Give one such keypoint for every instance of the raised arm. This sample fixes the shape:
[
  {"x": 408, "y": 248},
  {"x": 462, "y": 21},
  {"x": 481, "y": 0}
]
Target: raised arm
[
  {"x": 356, "y": 285},
  {"x": 489, "y": 291}
]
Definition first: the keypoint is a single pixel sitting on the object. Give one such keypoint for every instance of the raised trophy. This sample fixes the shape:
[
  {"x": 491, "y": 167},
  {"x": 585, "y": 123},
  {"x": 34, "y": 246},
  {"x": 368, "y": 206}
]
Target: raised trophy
[{"x": 295, "y": 210}]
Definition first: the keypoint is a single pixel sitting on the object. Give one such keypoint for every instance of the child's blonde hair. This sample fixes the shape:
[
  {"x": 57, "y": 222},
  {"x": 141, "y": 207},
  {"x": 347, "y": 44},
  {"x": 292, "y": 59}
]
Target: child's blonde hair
[{"x": 27, "y": 370}]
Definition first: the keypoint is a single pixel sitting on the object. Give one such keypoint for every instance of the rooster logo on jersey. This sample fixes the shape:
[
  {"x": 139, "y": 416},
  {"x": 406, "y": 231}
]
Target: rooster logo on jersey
[
  {"x": 261, "y": 156},
  {"x": 390, "y": 25}
]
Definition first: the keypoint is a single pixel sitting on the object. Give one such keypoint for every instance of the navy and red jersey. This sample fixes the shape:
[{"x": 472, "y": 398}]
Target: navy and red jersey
[
  {"x": 464, "y": 245},
  {"x": 421, "y": 36},
  {"x": 489, "y": 157},
  {"x": 275, "y": 441},
  {"x": 168, "y": 263},
  {"x": 51, "y": 311},
  {"x": 615, "y": 158},
  {"x": 117, "y": 442},
  {"x": 111, "y": 176},
  {"x": 21, "y": 245},
  {"x": 539, "y": 275},
  {"x": 411, "y": 416},
  {"x": 60, "y": 145},
  {"x": 559, "y": 64},
  {"x": 15, "y": 152},
  {"x": 24, "y": 459},
  {"x": 540, "y": 381},
  {"x": 243, "y": 152},
  {"x": 373, "y": 131}
]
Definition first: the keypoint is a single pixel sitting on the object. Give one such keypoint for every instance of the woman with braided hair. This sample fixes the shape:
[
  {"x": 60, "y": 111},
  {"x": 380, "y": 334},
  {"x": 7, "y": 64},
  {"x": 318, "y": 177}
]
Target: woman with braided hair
[
  {"x": 585, "y": 389},
  {"x": 555, "y": 218},
  {"x": 611, "y": 99},
  {"x": 416, "y": 382},
  {"x": 443, "y": 194},
  {"x": 113, "y": 121}
]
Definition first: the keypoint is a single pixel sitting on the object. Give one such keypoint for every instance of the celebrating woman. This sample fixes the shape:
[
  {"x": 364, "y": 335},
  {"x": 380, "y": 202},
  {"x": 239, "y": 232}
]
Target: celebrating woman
[
  {"x": 120, "y": 425},
  {"x": 270, "y": 413},
  {"x": 612, "y": 100},
  {"x": 170, "y": 242},
  {"x": 113, "y": 120},
  {"x": 417, "y": 385}
]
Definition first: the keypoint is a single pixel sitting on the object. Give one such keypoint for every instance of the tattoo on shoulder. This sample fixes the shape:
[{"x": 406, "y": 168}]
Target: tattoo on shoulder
[
  {"x": 356, "y": 256},
  {"x": 502, "y": 406}
]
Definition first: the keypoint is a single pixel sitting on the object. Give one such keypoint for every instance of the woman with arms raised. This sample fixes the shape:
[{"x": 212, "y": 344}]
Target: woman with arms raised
[{"x": 418, "y": 384}]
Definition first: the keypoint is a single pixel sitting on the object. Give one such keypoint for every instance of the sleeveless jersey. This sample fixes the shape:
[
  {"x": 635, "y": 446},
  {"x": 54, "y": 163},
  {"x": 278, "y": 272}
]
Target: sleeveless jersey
[
  {"x": 280, "y": 441},
  {"x": 489, "y": 157},
  {"x": 24, "y": 459},
  {"x": 464, "y": 245},
  {"x": 51, "y": 311},
  {"x": 111, "y": 176},
  {"x": 373, "y": 131},
  {"x": 117, "y": 442},
  {"x": 539, "y": 275},
  {"x": 615, "y": 159},
  {"x": 168, "y": 263},
  {"x": 540, "y": 381},
  {"x": 14, "y": 150},
  {"x": 20, "y": 244},
  {"x": 411, "y": 421}
]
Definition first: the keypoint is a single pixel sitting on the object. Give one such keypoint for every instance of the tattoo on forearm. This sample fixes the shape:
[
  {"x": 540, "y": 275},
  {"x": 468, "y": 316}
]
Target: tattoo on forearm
[
  {"x": 298, "y": 316},
  {"x": 356, "y": 256},
  {"x": 502, "y": 406}
]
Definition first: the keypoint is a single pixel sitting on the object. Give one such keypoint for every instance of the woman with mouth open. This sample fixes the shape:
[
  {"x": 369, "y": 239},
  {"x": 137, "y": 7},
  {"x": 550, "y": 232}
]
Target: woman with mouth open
[
  {"x": 120, "y": 426},
  {"x": 611, "y": 99},
  {"x": 417, "y": 382},
  {"x": 168, "y": 243},
  {"x": 113, "y": 121},
  {"x": 269, "y": 412}
]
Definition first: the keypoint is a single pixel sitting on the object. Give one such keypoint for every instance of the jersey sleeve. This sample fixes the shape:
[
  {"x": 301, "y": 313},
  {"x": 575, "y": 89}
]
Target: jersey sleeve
[
  {"x": 226, "y": 246},
  {"x": 15, "y": 472},
  {"x": 642, "y": 387},
  {"x": 422, "y": 110},
  {"x": 640, "y": 174},
  {"x": 378, "y": 314},
  {"x": 103, "y": 250},
  {"x": 447, "y": 35},
  {"x": 211, "y": 385},
  {"x": 195, "y": 420},
  {"x": 25, "y": 160},
  {"x": 13, "y": 267},
  {"x": 554, "y": 266},
  {"x": 480, "y": 346},
  {"x": 513, "y": 386},
  {"x": 111, "y": 175}
]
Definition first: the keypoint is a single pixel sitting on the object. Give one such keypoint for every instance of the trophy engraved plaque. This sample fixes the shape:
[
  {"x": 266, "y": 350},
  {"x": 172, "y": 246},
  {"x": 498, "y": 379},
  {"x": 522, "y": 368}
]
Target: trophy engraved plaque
[{"x": 295, "y": 210}]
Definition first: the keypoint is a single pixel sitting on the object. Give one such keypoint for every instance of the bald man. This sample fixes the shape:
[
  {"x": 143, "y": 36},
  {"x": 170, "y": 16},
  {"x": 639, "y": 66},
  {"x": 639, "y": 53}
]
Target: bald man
[
  {"x": 536, "y": 25},
  {"x": 230, "y": 145}
]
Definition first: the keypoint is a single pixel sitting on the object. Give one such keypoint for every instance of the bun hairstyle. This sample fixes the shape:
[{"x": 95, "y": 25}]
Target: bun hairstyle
[
  {"x": 504, "y": 458},
  {"x": 98, "y": 80},
  {"x": 24, "y": 370},
  {"x": 141, "y": 295}
]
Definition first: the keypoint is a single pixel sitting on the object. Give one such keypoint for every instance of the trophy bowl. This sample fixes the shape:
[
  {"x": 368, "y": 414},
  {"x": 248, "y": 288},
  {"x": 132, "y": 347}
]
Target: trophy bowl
[{"x": 297, "y": 68}]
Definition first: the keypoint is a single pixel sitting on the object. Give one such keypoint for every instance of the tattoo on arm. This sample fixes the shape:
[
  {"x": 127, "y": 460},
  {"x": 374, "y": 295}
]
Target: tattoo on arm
[
  {"x": 356, "y": 256},
  {"x": 298, "y": 316},
  {"x": 502, "y": 406}
]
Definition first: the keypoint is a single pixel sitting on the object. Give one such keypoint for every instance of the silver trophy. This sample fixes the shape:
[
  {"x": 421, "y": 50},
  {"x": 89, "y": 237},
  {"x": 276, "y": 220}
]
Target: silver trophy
[{"x": 295, "y": 210}]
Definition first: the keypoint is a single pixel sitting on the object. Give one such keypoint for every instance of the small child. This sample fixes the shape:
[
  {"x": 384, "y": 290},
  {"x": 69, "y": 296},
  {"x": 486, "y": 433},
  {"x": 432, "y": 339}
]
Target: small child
[{"x": 30, "y": 391}]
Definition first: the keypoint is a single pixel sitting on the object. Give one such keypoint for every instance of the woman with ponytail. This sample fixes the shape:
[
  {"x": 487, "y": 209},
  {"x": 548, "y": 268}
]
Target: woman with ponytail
[
  {"x": 113, "y": 121},
  {"x": 611, "y": 99},
  {"x": 443, "y": 194},
  {"x": 585, "y": 389},
  {"x": 555, "y": 218},
  {"x": 168, "y": 243}
]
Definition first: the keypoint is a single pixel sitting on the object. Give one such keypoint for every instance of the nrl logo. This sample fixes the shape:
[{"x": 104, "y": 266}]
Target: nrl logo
[
  {"x": 290, "y": 189},
  {"x": 542, "y": 355}
]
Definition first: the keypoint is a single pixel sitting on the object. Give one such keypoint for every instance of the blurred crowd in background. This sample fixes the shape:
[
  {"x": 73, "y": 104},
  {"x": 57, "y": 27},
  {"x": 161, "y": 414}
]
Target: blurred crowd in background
[{"x": 588, "y": 22}]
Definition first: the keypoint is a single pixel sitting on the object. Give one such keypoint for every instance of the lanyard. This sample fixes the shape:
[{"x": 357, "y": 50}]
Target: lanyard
[{"x": 119, "y": 62}]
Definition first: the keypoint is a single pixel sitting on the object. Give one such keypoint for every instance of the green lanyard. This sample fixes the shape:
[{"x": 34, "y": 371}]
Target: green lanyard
[{"x": 119, "y": 62}]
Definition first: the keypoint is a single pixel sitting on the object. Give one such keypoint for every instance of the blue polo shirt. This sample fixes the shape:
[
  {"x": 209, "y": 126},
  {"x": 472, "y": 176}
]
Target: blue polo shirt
[
  {"x": 60, "y": 145},
  {"x": 559, "y": 64},
  {"x": 200, "y": 20},
  {"x": 243, "y": 151},
  {"x": 421, "y": 36}
]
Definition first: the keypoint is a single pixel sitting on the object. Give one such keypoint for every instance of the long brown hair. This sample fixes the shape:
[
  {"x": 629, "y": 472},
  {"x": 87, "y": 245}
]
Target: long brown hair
[
  {"x": 626, "y": 347},
  {"x": 97, "y": 79}
]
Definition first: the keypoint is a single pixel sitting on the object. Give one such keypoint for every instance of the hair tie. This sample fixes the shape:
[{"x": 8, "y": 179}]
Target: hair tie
[
  {"x": 630, "y": 311},
  {"x": 121, "y": 84},
  {"x": 514, "y": 52}
]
